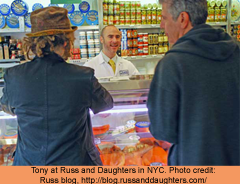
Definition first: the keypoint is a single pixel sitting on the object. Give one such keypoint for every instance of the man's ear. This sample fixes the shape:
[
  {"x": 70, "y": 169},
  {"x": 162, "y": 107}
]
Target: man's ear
[
  {"x": 101, "y": 39},
  {"x": 184, "y": 20}
]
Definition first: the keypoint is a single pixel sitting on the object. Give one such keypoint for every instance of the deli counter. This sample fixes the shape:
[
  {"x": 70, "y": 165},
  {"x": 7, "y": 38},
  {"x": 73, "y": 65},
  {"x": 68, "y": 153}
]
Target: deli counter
[{"x": 121, "y": 134}]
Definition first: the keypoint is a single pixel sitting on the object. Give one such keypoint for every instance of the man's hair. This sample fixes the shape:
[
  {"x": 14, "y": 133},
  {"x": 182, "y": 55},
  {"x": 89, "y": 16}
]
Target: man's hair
[
  {"x": 105, "y": 27},
  {"x": 196, "y": 9},
  {"x": 44, "y": 45}
]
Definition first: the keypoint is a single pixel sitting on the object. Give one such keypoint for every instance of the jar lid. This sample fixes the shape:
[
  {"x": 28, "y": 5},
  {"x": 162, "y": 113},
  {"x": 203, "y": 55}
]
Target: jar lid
[
  {"x": 142, "y": 124},
  {"x": 19, "y": 7},
  {"x": 90, "y": 41},
  {"x": 12, "y": 21},
  {"x": 76, "y": 18},
  {"x": 37, "y": 6},
  {"x": 95, "y": 32},
  {"x": 89, "y": 32},
  {"x": 84, "y": 6},
  {"x": 4, "y": 9},
  {"x": 92, "y": 17},
  {"x": 27, "y": 20},
  {"x": 2, "y": 21},
  {"x": 69, "y": 7},
  {"x": 82, "y": 33}
]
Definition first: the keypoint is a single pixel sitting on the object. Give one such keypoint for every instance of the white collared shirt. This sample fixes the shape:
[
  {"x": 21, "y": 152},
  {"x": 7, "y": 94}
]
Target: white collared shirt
[{"x": 103, "y": 69}]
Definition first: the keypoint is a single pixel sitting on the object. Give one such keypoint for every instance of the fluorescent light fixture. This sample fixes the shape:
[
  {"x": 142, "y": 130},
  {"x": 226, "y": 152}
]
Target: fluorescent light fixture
[
  {"x": 109, "y": 111},
  {"x": 125, "y": 110},
  {"x": 8, "y": 117}
]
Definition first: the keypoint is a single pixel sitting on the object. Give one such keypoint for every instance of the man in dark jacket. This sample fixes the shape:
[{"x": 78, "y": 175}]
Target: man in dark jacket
[
  {"x": 52, "y": 98},
  {"x": 194, "y": 96}
]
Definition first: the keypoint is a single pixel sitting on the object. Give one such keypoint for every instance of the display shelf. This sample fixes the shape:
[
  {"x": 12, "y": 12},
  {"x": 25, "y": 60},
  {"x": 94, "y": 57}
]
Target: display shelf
[
  {"x": 217, "y": 23},
  {"x": 145, "y": 57},
  {"x": 145, "y": 26},
  {"x": 8, "y": 141},
  {"x": 7, "y": 65},
  {"x": 9, "y": 60},
  {"x": 235, "y": 22},
  {"x": 80, "y": 28}
]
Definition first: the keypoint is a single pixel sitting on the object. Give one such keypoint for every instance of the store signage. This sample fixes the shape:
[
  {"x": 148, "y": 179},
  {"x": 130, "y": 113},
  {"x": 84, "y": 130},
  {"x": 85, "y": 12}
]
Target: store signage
[{"x": 65, "y": 1}]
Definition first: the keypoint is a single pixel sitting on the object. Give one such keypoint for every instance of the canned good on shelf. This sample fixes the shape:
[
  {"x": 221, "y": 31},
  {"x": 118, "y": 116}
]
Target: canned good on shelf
[
  {"x": 110, "y": 8},
  {"x": 145, "y": 38},
  {"x": 122, "y": 5},
  {"x": 89, "y": 35},
  {"x": 139, "y": 21},
  {"x": 150, "y": 49},
  {"x": 138, "y": 4},
  {"x": 140, "y": 50},
  {"x": 116, "y": 8},
  {"x": 127, "y": 5},
  {"x": 134, "y": 33},
  {"x": 122, "y": 14},
  {"x": 105, "y": 19},
  {"x": 133, "y": 14},
  {"x": 145, "y": 49},
  {"x": 150, "y": 39},
  {"x": 116, "y": 20},
  {"x": 133, "y": 21},
  {"x": 127, "y": 14},
  {"x": 110, "y": 19},
  {"x": 138, "y": 14},
  {"x": 133, "y": 5},
  {"x": 122, "y": 21},
  {"x": 105, "y": 7},
  {"x": 129, "y": 33},
  {"x": 134, "y": 51},
  {"x": 135, "y": 43},
  {"x": 130, "y": 43}
]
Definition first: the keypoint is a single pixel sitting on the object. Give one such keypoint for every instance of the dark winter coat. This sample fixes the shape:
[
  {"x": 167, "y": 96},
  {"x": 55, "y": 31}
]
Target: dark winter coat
[
  {"x": 194, "y": 99},
  {"x": 51, "y": 99}
]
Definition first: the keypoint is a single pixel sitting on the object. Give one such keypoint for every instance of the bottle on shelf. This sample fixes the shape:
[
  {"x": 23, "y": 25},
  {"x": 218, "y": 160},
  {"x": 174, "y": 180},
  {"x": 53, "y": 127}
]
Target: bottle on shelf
[
  {"x": 1, "y": 48},
  {"x": 19, "y": 44},
  {"x": 12, "y": 48},
  {"x": 6, "y": 47}
]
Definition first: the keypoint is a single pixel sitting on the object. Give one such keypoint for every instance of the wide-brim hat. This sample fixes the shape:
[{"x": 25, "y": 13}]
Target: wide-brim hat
[{"x": 50, "y": 21}]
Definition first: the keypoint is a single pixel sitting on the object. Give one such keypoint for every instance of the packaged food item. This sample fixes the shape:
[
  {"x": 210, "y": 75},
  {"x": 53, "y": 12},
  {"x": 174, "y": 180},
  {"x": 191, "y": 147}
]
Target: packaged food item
[
  {"x": 130, "y": 43},
  {"x": 154, "y": 16},
  {"x": 156, "y": 156},
  {"x": 150, "y": 51},
  {"x": 122, "y": 14},
  {"x": 116, "y": 20},
  {"x": 149, "y": 16},
  {"x": 105, "y": 8},
  {"x": 144, "y": 16},
  {"x": 110, "y": 19},
  {"x": 142, "y": 126},
  {"x": 145, "y": 38},
  {"x": 116, "y": 8},
  {"x": 105, "y": 19}
]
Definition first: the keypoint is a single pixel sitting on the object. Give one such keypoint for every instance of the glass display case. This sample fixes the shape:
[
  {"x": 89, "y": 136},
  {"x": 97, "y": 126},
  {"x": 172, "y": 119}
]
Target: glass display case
[{"x": 121, "y": 134}]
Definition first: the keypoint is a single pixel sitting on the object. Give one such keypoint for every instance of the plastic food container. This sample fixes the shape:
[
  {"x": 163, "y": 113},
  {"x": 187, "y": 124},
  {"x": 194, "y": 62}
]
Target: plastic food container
[
  {"x": 91, "y": 44},
  {"x": 142, "y": 126},
  {"x": 82, "y": 36},
  {"x": 89, "y": 35},
  {"x": 96, "y": 35},
  {"x": 83, "y": 44},
  {"x": 84, "y": 53}
]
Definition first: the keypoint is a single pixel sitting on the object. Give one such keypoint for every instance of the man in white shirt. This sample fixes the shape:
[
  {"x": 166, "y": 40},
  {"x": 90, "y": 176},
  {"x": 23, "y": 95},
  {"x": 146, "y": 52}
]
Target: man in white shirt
[{"x": 108, "y": 63}]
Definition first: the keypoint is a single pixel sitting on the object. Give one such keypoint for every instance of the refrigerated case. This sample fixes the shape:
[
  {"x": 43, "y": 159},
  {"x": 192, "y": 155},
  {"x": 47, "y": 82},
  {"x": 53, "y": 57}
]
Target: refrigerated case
[{"x": 121, "y": 134}]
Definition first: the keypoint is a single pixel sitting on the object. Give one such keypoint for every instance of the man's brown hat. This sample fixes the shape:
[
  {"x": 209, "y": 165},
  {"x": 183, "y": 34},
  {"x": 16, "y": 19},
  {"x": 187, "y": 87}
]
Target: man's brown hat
[{"x": 50, "y": 21}]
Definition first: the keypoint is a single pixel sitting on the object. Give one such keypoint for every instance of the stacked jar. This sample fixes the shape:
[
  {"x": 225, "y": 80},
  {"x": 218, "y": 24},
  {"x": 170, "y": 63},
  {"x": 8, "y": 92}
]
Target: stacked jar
[
  {"x": 162, "y": 43},
  {"x": 130, "y": 12},
  {"x": 124, "y": 43},
  {"x": 217, "y": 11},
  {"x": 151, "y": 14},
  {"x": 111, "y": 12},
  {"x": 89, "y": 44},
  {"x": 236, "y": 32}
]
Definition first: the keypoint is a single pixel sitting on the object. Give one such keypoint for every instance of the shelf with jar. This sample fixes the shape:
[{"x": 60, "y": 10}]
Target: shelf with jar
[{"x": 125, "y": 14}]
